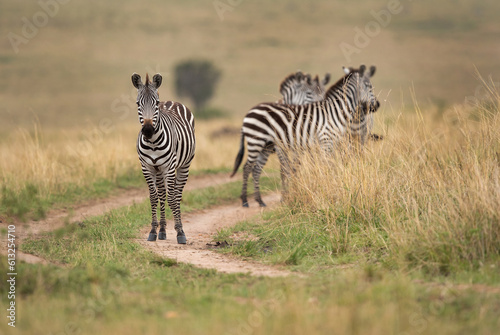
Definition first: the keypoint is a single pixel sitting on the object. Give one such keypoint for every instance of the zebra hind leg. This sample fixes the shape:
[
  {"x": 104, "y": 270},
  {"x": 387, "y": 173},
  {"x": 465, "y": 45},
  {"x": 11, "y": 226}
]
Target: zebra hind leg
[
  {"x": 152, "y": 234},
  {"x": 153, "y": 198},
  {"x": 246, "y": 172},
  {"x": 162, "y": 234},
  {"x": 160, "y": 182},
  {"x": 257, "y": 170},
  {"x": 179, "y": 183}
]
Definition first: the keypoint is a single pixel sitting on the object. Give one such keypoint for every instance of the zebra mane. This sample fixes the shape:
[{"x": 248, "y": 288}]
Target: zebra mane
[
  {"x": 298, "y": 76},
  {"x": 341, "y": 82},
  {"x": 147, "y": 80}
]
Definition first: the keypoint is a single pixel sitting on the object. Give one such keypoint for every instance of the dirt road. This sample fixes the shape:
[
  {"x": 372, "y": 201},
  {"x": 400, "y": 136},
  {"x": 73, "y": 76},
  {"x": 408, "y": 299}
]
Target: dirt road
[{"x": 199, "y": 227}]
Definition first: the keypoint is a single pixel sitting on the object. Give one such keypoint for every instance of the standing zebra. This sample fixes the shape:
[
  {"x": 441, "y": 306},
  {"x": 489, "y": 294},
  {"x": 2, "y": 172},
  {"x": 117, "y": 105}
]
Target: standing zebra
[
  {"x": 344, "y": 111},
  {"x": 165, "y": 146},
  {"x": 300, "y": 89},
  {"x": 297, "y": 89}
]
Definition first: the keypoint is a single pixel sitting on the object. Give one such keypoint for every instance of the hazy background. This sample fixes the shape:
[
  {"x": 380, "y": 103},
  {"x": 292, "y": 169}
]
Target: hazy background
[{"x": 74, "y": 69}]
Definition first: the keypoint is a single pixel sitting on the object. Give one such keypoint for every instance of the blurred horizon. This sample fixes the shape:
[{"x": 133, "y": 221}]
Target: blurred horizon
[{"x": 67, "y": 64}]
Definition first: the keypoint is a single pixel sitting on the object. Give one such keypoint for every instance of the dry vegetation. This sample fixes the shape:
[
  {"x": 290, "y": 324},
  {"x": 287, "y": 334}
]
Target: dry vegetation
[
  {"x": 52, "y": 159},
  {"x": 40, "y": 168},
  {"x": 429, "y": 194},
  {"x": 256, "y": 46},
  {"x": 422, "y": 203}
]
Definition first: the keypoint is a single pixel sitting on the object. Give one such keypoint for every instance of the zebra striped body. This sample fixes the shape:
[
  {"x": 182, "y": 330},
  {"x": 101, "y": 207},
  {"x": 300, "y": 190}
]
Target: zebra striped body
[
  {"x": 297, "y": 89},
  {"x": 165, "y": 145},
  {"x": 344, "y": 112},
  {"x": 301, "y": 89}
]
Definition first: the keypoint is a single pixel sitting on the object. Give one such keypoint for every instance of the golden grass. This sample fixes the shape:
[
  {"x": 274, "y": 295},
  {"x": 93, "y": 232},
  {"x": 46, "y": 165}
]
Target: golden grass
[
  {"x": 255, "y": 46},
  {"x": 53, "y": 160},
  {"x": 429, "y": 192}
]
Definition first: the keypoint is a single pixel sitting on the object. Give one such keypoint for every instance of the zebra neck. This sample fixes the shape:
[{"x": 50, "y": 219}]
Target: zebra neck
[{"x": 348, "y": 103}]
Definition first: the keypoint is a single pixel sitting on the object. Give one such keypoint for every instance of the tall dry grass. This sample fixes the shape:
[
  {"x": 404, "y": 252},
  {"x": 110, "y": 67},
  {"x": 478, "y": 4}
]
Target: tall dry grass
[
  {"x": 36, "y": 164},
  {"x": 428, "y": 195},
  {"x": 53, "y": 159}
]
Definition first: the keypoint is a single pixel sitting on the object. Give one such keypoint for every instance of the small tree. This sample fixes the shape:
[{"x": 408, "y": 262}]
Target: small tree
[{"x": 196, "y": 79}]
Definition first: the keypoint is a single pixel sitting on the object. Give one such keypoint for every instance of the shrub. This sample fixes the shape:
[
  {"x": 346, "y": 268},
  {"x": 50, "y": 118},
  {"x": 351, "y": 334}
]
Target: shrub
[{"x": 196, "y": 80}]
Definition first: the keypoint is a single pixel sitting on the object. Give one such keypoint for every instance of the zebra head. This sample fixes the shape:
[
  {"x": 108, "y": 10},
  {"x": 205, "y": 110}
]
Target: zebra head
[
  {"x": 365, "y": 97},
  {"x": 300, "y": 89},
  {"x": 148, "y": 102}
]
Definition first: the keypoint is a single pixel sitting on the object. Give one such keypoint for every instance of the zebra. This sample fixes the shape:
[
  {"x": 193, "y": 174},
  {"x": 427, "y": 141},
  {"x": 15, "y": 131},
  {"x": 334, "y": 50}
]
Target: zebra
[
  {"x": 297, "y": 89},
  {"x": 165, "y": 145},
  {"x": 344, "y": 112},
  {"x": 300, "y": 89}
]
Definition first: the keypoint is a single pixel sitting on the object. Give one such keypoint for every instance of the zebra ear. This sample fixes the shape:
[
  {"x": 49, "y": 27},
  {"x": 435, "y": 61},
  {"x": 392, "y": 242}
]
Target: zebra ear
[
  {"x": 136, "y": 81},
  {"x": 346, "y": 70},
  {"x": 308, "y": 79},
  {"x": 372, "y": 70},
  {"x": 362, "y": 69},
  {"x": 326, "y": 80},
  {"x": 157, "y": 79}
]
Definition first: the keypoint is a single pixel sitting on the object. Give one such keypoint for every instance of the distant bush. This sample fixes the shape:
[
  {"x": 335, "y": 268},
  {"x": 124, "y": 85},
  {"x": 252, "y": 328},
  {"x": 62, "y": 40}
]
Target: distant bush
[{"x": 196, "y": 80}]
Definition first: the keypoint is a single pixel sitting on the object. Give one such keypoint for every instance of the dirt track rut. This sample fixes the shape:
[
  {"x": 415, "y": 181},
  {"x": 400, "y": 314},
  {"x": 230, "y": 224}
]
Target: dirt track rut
[{"x": 199, "y": 227}]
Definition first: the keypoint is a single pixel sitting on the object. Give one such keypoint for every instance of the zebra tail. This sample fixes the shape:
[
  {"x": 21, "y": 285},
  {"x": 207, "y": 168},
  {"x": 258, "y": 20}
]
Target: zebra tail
[{"x": 239, "y": 157}]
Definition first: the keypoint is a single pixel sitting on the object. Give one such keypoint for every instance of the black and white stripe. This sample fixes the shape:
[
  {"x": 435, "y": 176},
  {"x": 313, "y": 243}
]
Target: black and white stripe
[
  {"x": 166, "y": 145},
  {"x": 345, "y": 112},
  {"x": 300, "y": 89}
]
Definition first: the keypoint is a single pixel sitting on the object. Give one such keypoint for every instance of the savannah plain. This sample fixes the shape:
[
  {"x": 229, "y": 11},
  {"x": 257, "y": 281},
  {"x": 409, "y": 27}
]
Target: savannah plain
[{"x": 402, "y": 237}]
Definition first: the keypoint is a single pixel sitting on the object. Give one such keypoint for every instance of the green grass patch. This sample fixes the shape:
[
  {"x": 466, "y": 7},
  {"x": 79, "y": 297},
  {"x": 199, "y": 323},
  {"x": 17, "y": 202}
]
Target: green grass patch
[
  {"x": 30, "y": 203},
  {"x": 110, "y": 284},
  {"x": 306, "y": 241}
]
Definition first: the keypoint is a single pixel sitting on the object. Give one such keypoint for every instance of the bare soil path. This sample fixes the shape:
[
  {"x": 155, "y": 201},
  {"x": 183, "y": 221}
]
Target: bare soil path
[
  {"x": 199, "y": 227},
  {"x": 58, "y": 218}
]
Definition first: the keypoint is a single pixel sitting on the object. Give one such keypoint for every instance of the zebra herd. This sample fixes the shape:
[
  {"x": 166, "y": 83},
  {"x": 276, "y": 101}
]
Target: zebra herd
[{"x": 307, "y": 115}]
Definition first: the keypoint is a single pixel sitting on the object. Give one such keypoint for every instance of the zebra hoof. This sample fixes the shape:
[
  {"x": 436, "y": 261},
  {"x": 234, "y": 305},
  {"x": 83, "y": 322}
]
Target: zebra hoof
[
  {"x": 162, "y": 235},
  {"x": 262, "y": 204},
  {"x": 181, "y": 239},
  {"x": 152, "y": 237},
  {"x": 245, "y": 204}
]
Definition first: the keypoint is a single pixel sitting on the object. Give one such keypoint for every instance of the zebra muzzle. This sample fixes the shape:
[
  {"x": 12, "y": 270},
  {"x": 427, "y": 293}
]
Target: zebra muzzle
[
  {"x": 370, "y": 107},
  {"x": 147, "y": 129}
]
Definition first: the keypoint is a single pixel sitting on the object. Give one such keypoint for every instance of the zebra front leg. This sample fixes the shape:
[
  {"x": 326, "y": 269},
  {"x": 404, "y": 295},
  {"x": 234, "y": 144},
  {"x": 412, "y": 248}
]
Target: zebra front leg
[
  {"x": 284, "y": 172},
  {"x": 162, "y": 194},
  {"x": 246, "y": 172},
  {"x": 153, "y": 198}
]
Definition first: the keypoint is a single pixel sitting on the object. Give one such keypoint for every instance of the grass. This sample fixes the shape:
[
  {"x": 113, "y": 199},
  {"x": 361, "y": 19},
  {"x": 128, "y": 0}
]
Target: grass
[
  {"x": 28, "y": 202},
  {"x": 403, "y": 239},
  {"x": 41, "y": 169},
  {"x": 110, "y": 284},
  {"x": 256, "y": 46},
  {"x": 424, "y": 200}
]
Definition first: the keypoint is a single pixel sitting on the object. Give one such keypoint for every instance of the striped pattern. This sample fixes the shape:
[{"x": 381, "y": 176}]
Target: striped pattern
[
  {"x": 345, "y": 112},
  {"x": 300, "y": 89},
  {"x": 165, "y": 145}
]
